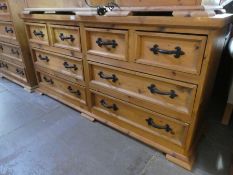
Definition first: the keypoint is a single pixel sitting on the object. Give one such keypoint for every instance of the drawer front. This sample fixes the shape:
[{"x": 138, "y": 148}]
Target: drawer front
[
  {"x": 7, "y": 30},
  {"x": 11, "y": 51},
  {"x": 153, "y": 123},
  {"x": 4, "y": 8},
  {"x": 162, "y": 95},
  {"x": 65, "y": 37},
  {"x": 60, "y": 63},
  {"x": 171, "y": 51},
  {"x": 14, "y": 70},
  {"x": 70, "y": 90},
  {"x": 37, "y": 33},
  {"x": 107, "y": 43}
]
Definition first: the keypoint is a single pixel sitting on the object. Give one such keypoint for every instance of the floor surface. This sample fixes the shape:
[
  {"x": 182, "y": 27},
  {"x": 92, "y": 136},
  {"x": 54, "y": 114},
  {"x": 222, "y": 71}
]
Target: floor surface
[{"x": 40, "y": 136}]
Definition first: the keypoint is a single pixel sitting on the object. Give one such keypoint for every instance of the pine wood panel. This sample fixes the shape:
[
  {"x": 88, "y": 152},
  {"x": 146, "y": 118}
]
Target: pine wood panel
[
  {"x": 66, "y": 37},
  {"x": 138, "y": 117},
  {"x": 14, "y": 70},
  {"x": 69, "y": 90},
  {"x": 59, "y": 63},
  {"x": 7, "y": 31},
  {"x": 117, "y": 41},
  {"x": 37, "y": 33},
  {"x": 12, "y": 51},
  {"x": 188, "y": 51}
]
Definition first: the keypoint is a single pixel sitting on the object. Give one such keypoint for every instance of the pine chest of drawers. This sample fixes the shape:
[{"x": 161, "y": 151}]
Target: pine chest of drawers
[
  {"x": 15, "y": 60},
  {"x": 149, "y": 77}
]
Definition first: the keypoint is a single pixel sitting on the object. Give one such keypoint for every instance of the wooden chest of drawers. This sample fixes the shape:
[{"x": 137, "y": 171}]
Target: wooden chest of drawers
[
  {"x": 149, "y": 77},
  {"x": 15, "y": 56}
]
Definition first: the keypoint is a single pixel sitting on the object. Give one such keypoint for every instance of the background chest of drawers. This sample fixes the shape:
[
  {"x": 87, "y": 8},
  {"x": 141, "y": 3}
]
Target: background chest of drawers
[
  {"x": 149, "y": 77},
  {"x": 15, "y": 60}
]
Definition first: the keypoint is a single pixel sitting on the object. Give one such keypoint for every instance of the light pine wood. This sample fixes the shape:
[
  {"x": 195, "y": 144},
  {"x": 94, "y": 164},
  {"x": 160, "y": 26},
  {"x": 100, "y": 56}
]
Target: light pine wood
[
  {"x": 192, "y": 47},
  {"x": 133, "y": 87},
  {"x": 137, "y": 117},
  {"x": 62, "y": 87},
  {"x": 56, "y": 62},
  {"x": 120, "y": 37},
  {"x": 227, "y": 114},
  {"x": 127, "y": 100},
  {"x": 67, "y": 31},
  {"x": 33, "y": 28},
  {"x": 14, "y": 45},
  {"x": 14, "y": 71}
]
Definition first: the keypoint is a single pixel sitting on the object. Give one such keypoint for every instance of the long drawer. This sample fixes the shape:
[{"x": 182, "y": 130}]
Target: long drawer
[
  {"x": 68, "y": 92},
  {"x": 14, "y": 70},
  {"x": 12, "y": 53},
  {"x": 71, "y": 67},
  {"x": 162, "y": 95},
  {"x": 156, "y": 125}
]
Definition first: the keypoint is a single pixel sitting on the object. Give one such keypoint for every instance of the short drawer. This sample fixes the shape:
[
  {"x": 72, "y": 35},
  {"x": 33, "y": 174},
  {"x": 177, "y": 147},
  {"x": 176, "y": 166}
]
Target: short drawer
[
  {"x": 7, "y": 31},
  {"x": 171, "y": 51},
  {"x": 13, "y": 70},
  {"x": 162, "y": 95},
  {"x": 64, "y": 64},
  {"x": 155, "y": 124},
  {"x": 37, "y": 33},
  {"x": 4, "y": 9},
  {"x": 10, "y": 50},
  {"x": 64, "y": 89},
  {"x": 66, "y": 37},
  {"x": 107, "y": 43}
]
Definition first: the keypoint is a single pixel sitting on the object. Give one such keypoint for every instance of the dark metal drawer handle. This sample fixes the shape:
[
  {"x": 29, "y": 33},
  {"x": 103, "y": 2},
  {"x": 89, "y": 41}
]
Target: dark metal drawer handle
[
  {"x": 154, "y": 90},
  {"x": 4, "y": 65},
  {"x": 77, "y": 92},
  {"x": 1, "y": 47},
  {"x": 113, "y": 107},
  {"x": 3, "y": 6},
  {"x": 16, "y": 52},
  {"x": 177, "y": 52},
  {"x": 101, "y": 43},
  {"x": 67, "y": 66},
  {"x": 48, "y": 80},
  {"x": 151, "y": 123},
  {"x": 9, "y": 30},
  {"x": 113, "y": 77},
  {"x": 45, "y": 58},
  {"x": 40, "y": 33},
  {"x": 19, "y": 71},
  {"x": 63, "y": 37}
]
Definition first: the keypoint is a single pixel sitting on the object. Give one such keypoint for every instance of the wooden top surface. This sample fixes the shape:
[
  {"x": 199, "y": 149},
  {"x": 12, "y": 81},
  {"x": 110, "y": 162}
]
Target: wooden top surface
[{"x": 217, "y": 21}]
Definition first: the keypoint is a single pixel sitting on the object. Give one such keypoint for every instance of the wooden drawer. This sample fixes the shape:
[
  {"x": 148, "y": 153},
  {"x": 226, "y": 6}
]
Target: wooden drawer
[
  {"x": 66, "y": 37},
  {"x": 37, "y": 33},
  {"x": 7, "y": 31},
  {"x": 4, "y": 8},
  {"x": 156, "y": 124},
  {"x": 11, "y": 51},
  {"x": 107, "y": 43},
  {"x": 14, "y": 70},
  {"x": 69, "y": 66},
  {"x": 64, "y": 90},
  {"x": 171, "y": 51},
  {"x": 162, "y": 95}
]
